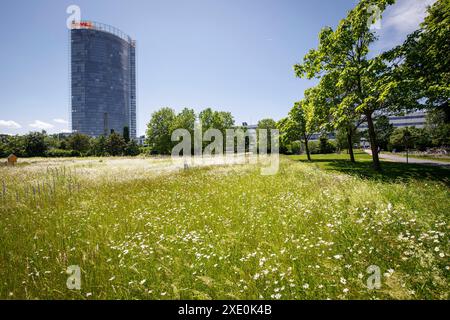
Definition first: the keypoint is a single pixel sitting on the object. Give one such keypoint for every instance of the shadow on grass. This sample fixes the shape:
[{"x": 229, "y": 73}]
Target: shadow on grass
[{"x": 391, "y": 171}]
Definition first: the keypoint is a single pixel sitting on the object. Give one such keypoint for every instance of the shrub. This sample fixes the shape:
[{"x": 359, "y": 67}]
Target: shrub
[
  {"x": 295, "y": 147},
  {"x": 325, "y": 146},
  {"x": 313, "y": 147}
]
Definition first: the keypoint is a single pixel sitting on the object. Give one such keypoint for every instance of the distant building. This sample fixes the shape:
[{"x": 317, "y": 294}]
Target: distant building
[
  {"x": 414, "y": 119},
  {"x": 63, "y": 135},
  {"x": 103, "y": 79},
  {"x": 249, "y": 126},
  {"x": 140, "y": 140}
]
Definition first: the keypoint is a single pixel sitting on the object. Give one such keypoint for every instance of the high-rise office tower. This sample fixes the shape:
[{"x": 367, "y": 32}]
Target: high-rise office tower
[{"x": 103, "y": 79}]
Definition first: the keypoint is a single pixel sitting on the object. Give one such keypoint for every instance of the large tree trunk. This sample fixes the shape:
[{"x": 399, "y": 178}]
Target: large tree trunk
[
  {"x": 373, "y": 142},
  {"x": 350, "y": 145},
  {"x": 307, "y": 149}
]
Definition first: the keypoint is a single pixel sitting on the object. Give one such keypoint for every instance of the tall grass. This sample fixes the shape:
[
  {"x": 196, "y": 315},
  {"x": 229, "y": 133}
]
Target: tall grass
[{"x": 218, "y": 233}]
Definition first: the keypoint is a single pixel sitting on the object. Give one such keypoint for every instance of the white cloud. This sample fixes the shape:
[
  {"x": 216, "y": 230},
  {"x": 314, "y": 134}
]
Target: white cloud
[
  {"x": 61, "y": 121},
  {"x": 10, "y": 124},
  {"x": 399, "y": 20},
  {"x": 406, "y": 15},
  {"x": 41, "y": 125}
]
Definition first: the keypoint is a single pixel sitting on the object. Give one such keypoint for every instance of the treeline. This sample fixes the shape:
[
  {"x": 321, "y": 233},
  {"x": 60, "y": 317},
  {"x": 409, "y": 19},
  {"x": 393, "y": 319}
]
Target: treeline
[
  {"x": 356, "y": 85},
  {"x": 165, "y": 121},
  {"x": 41, "y": 144},
  {"x": 434, "y": 135}
]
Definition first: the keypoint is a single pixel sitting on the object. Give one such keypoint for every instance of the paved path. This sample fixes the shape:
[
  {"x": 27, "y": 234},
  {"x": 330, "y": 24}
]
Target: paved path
[{"x": 394, "y": 158}]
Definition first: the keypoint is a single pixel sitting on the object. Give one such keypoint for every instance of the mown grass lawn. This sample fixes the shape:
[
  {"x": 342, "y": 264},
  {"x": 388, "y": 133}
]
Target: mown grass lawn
[
  {"x": 442, "y": 158},
  {"x": 309, "y": 232},
  {"x": 391, "y": 171}
]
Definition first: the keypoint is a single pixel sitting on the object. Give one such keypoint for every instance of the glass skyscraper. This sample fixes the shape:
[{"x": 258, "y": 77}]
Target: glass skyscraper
[{"x": 103, "y": 80}]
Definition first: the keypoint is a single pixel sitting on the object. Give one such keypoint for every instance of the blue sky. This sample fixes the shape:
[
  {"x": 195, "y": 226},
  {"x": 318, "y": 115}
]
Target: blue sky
[{"x": 231, "y": 55}]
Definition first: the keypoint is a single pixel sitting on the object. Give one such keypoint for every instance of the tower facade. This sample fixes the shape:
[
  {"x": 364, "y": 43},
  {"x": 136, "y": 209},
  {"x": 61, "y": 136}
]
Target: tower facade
[{"x": 103, "y": 80}]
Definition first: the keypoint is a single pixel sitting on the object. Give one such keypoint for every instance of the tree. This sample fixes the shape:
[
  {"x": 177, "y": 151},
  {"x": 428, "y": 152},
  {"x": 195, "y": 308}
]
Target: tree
[
  {"x": 383, "y": 129},
  {"x": 424, "y": 59},
  {"x": 220, "y": 120},
  {"x": 132, "y": 148},
  {"x": 437, "y": 128},
  {"x": 300, "y": 125},
  {"x": 285, "y": 138},
  {"x": 35, "y": 144},
  {"x": 401, "y": 139},
  {"x": 52, "y": 141},
  {"x": 344, "y": 53},
  {"x": 3, "y": 150},
  {"x": 126, "y": 134},
  {"x": 115, "y": 144},
  {"x": 343, "y": 141},
  {"x": 267, "y": 124},
  {"x": 79, "y": 142},
  {"x": 16, "y": 145},
  {"x": 325, "y": 146},
  {"x": 185, "y": 120},
  {"x": 98, "y": 146},
  {"x": 421, "y": 138},
  {"x": 159, "y": 134},
  {"x": 342, "y": 113}
]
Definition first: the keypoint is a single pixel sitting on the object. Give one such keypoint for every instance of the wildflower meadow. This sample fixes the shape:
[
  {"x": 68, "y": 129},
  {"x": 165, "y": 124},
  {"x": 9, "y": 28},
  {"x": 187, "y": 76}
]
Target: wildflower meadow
[{"x": 143, "y": 229}]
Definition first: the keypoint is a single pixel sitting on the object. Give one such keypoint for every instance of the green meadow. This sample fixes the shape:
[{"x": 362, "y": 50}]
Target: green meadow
[{"x": 143, "y": 229}]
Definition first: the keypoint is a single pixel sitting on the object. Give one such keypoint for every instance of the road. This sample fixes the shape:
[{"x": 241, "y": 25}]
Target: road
[{"x": 394, "y": 158}]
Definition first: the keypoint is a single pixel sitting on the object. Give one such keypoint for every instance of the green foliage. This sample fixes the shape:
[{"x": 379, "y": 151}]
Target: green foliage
[
  {"x": 267, "y": 124},
  {"x": 126, "y": 134},
  {"x": 321, "y": 146},
  {"x": 115, "y": 144},
  {"x": 59, "y": 153},
  {"x": 184, "y": 120},
  {"x": 326, "y": 146},
  {"x": 438, "y": 128},
  {"x": 295, "y": 147},
  {"x": 132, "y": 148},
  {"x": 2, "y": 150},
  {"x": 15, "y": 145},
  {"x": 383, "y": 130},
  {"x": 63, "y": 144},
  {"x": 402, "y": 139},
  {"x": 52, "y": 141},
  {"x": 98, "y": 146},
  {"x": 79, "y": 142},
  {"x": 159, "y": 131},
  {"x": 165, "y": 121},
  {"x": 145, "y": 150},
  {"x": 40, "y": 144},
  {"x": 35, "y": 144},
  {"x": 354, "y": 84},
  {"x": 421, "y": 139},
  {"x": 202, "y": 233},
  {"x": 219, "y": 120},
  {"x": 342, "y": 137},
  {"x": 424, "y": 60}
]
